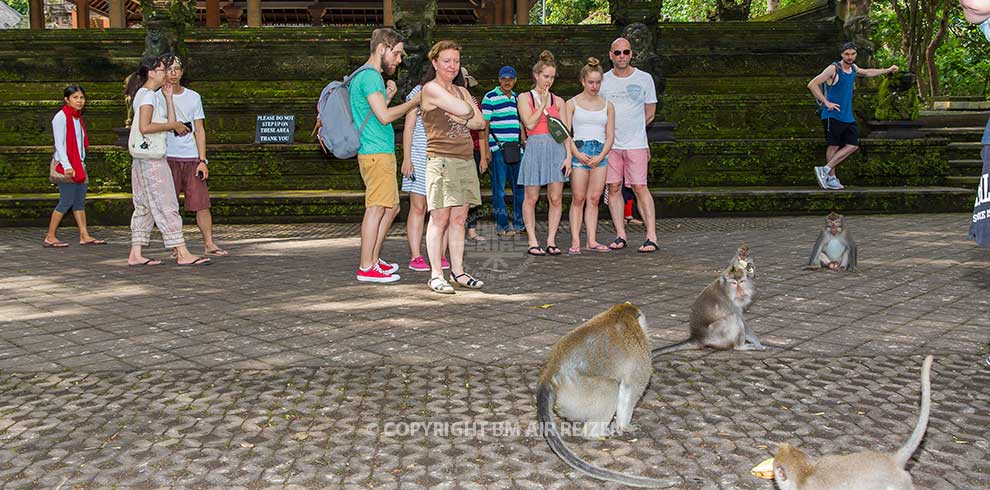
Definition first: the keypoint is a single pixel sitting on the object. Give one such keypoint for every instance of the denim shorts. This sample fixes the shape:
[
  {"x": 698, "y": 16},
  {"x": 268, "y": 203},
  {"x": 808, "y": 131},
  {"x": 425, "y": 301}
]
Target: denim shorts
[{"x": 590, "y": 148}]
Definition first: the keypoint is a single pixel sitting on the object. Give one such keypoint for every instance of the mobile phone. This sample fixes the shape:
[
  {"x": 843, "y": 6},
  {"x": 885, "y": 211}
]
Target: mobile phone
[
  {"x": 201, "y": 175},
  {"x": 412, "y": 177}
]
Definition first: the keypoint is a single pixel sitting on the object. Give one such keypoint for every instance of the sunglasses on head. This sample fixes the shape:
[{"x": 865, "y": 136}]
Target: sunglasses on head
[{"x": 621, "y": 52}]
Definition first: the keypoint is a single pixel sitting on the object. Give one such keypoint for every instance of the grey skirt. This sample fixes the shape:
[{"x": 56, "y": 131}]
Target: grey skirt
[{"x": 541, "y": 162}]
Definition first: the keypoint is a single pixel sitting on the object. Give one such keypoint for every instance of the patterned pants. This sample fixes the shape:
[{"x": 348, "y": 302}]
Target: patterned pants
[{"x": 155, "y": 203}]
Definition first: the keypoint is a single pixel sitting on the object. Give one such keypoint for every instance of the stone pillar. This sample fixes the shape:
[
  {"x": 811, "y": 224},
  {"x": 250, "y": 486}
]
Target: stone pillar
[
  {"x": 37, "y": 13},
  {"x": 388, "y": 16},
  {"x": 233, "y": 15},
  {"x": 522, "y": 12},
  {"x": 499, "y": 12},
  {"x": 212, "y": 13},
  {"x": 118, "y": 13},
  {"x": 254, "y": 13},
  {"x": 508, "y": 9},
  {"x": 415, "y": 20},
  {"x": 82, "y": 14}
]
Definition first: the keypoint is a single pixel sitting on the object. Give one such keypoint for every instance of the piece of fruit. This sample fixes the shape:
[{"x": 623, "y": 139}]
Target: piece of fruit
[{"x": 763, "y": 470}]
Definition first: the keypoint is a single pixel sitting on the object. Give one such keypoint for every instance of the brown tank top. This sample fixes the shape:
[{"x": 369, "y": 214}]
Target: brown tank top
[{"x": 446, "y": 138}]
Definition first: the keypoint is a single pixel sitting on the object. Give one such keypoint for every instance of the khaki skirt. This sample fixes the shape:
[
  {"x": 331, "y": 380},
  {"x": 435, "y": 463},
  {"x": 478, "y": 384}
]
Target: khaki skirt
[{"x": 451, "y": 182}]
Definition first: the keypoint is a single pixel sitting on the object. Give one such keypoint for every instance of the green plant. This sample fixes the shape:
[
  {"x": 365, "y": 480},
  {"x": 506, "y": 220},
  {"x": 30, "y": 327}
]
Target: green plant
[{"x": 897, "y": 98}]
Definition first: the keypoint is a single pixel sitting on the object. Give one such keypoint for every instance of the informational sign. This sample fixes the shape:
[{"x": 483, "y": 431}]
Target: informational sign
[{"x": 276, "y": 129}]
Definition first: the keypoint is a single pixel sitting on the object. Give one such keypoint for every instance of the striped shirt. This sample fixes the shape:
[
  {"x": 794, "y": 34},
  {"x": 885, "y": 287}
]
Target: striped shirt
[
  {"x": 503, "y": 116},
  {"x": 417, "y": 152}
]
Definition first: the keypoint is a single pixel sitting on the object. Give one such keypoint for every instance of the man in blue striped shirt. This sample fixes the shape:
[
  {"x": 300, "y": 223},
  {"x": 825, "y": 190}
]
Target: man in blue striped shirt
[{"x": 504, "y": 134}]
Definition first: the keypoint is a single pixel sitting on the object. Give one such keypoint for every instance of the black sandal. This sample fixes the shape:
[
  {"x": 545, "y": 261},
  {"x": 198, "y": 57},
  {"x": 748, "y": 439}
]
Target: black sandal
[
  {"x": 541, "y": 253},
  {"x": 621, "y": 242},
  {"x": 553, "y": 250},
  {"x": 471, "y": 283},
  {"x": 649, "y": 243}
]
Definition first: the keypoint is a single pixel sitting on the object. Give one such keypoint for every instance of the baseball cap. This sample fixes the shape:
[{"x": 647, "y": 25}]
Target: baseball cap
[{"x": 507, "y": 72}]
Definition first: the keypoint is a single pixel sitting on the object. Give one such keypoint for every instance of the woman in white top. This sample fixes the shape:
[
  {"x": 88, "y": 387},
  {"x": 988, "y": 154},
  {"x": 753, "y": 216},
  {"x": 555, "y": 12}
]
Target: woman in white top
[
  {"x": 70, "y": 159},
  {"x": 593, "y": 119},
  {"x": 152, "y": 188}
]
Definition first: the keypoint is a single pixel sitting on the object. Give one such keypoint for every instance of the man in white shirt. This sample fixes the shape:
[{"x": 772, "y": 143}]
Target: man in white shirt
[
  {"x": 634, "y": 96},
  {"x": 187, "y": 155}
]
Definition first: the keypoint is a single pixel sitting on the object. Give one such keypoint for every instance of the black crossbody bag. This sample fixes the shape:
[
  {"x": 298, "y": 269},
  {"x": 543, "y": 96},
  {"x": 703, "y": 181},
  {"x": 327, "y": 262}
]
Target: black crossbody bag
[{"x": 511, "y": 150}]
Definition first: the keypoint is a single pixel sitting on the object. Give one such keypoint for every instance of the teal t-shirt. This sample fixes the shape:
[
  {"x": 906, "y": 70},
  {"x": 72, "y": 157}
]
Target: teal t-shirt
[{"x": 376, "y": 137}]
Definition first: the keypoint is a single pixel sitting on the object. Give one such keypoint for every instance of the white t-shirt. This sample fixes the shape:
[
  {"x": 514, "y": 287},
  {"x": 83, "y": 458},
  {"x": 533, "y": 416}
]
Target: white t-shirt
[
  {"x": 629, "y": 95},
  {"x": 188, "y": 108},
  {"x": 154, "y": 99}
]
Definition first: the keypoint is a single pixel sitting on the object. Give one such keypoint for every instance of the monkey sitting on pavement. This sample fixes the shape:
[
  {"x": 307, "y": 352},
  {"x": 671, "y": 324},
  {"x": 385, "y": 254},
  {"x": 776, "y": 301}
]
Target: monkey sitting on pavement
[
  {"x": 835, "y": 248},
  {"x": 717, "y": 313},
  {"x": 792, "y": 470},
  {"x": 597, "y": 371}
]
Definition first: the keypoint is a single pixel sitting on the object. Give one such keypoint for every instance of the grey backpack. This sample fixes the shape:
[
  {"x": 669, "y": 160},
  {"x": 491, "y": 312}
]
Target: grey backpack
[{"x": 337, "y": 132}]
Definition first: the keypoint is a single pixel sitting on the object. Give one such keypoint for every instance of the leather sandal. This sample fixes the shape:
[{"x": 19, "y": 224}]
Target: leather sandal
[
  {"x": 440, "y": 285},
  {"x": 471, "y": 283}
]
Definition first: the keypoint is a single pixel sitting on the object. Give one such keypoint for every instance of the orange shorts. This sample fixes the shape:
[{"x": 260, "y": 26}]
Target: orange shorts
[{"x": 379, "y": 173}]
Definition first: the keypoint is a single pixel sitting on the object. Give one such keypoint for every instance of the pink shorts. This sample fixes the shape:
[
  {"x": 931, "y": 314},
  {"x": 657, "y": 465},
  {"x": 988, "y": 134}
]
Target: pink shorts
[
  {"x": 629, "y": 166},
  {"x": 197, "y": 196}
]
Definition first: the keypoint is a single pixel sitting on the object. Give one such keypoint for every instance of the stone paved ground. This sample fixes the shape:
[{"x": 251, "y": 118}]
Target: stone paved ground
[{"x": 273, "y": 368}]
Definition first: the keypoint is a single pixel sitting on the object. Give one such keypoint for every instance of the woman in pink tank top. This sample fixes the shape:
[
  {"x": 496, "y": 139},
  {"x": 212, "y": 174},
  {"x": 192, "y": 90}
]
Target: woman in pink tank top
[{"x": 546, "y": 162}]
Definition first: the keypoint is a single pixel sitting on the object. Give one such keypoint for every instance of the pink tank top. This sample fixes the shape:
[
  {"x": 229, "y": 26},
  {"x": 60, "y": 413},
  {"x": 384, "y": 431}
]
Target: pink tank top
[{"x": 541, "y": 125}]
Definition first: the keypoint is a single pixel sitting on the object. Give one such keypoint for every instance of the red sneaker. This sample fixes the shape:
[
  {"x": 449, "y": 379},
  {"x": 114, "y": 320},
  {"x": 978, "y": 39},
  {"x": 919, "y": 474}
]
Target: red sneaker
[
  {"x": 375, "y": 274},
  {"x": 388, "y": 267}
]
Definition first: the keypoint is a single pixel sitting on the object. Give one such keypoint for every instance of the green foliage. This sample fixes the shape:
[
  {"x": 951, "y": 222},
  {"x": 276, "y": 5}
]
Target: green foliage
[
  {"x": 572, "y": 12},
  {"x": 21, "y": 6}
]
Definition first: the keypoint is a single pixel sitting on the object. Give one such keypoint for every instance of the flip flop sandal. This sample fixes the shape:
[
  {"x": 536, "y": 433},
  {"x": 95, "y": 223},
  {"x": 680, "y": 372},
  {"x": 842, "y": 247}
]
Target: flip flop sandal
[
  {"x": 553, "y": 250},
  {"x": 471, "y": 283},
  {"x": 199, "y": 261},
  {"x": 574, "y": 251},
  {"x": 48, "y": 244},
  {"x": 620, "y": 242},
  {"x": 219, "y": 252},
  {"x": 599, "y": 248},
  {"x": 149, "y": 262},
  {"x": 94, "y": 242},
  {"x": 440, "y": 285},
  {"x": 649, "y": 243},
  {"x": 540, "y": 254}
]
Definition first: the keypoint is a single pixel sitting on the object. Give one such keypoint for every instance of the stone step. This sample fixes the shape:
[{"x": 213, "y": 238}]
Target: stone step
[
  {"x": 683, "y": 163},
  {"x": 312, "y": 205},
  {"x": 956, "y": 134},
  {"x": 966, "y": 182},
  {"x": 936, "y": 119},
  {"x": 963, "y": 150},
  {"x": 965, "y": 167}
]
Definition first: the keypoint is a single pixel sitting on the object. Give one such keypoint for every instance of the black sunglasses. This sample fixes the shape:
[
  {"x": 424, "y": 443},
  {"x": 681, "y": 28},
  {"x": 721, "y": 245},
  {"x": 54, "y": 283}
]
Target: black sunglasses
[{"x": 619, "y": 52}]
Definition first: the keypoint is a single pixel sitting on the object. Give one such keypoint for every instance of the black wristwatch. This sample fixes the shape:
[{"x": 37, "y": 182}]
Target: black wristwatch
[{"x": 204, "y": 161}]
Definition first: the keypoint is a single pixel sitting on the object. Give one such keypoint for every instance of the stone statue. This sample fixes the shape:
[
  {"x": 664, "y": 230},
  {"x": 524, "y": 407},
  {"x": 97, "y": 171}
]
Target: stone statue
[
  {"x": 642, "y": 39},
  {"x": 415, "y": 20}
]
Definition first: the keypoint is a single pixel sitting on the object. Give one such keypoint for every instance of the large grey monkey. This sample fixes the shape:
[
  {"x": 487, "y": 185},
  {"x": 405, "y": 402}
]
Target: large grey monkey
[
  {"x": 835, "y": 248},
  {"x": 597, "y": 371},
  {"x": 717, "y": 312}
]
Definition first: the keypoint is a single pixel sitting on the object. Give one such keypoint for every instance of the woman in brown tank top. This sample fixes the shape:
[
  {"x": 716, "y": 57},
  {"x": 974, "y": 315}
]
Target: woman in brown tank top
[{"x": 452, "y": 185}]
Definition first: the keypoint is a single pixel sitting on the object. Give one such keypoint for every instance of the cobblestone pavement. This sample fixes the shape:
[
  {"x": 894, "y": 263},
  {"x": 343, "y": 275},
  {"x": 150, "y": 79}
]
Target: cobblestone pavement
[{"x": 273, "y": 368}]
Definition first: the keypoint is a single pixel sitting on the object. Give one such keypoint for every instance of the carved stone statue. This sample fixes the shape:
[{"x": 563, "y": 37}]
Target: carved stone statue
[
  {"x": 645, "y": 56},
  {"x": 415, "y": 20}
]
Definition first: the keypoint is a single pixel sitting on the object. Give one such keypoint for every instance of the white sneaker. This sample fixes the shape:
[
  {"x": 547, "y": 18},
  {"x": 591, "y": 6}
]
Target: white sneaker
[
  {"x": 375, "y": 274},
  {"x": 821, "y": 175},
  {"x": 388, "y": 267},
  {"x": 834, "y": 184}
]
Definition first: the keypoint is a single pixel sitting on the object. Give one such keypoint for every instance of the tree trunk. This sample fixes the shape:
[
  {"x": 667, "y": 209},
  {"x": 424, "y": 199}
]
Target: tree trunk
[{"x": 933, "y": 46}]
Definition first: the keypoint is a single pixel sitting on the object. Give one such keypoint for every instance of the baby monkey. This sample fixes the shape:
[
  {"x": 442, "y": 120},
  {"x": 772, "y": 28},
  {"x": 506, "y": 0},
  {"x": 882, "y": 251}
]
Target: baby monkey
[
  {"x": 717, "y": 313},
  {"x": 835, "y": 248},
  {"x": 596, "y": 372},
  {"x": 792, "y": 470}
]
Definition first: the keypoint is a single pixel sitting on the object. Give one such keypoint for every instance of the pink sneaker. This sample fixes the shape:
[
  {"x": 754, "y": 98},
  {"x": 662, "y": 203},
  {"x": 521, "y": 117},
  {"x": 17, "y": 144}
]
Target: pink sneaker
[
  {"x": 444, "y": 264},
  {"x": 419, "y": 264},
  {"x": 375, "y": 274},
  {"x": 388, "y": 267}
]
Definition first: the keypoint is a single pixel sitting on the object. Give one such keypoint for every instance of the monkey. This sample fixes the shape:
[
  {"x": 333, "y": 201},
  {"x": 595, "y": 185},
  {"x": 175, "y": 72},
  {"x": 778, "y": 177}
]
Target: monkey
[
  {"x": 717, "y": 312},
  {"x": 869, "y": 470},
  {"x": 594, "y": 373},
  {"x": 835, "y": 248}
]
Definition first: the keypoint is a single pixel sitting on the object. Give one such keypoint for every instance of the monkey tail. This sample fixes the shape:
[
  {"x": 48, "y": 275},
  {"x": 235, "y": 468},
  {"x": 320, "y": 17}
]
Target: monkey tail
[
  {"x": 686, "y": 345},
  {"x": 904, "y": 454},
  {"x": 545, "y": 399}
]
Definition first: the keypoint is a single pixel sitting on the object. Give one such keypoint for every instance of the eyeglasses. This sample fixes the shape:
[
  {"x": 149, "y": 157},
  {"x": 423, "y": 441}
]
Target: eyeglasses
[
  {"x": 622, "y": 52},
  {"x": 159, "y": 69},
  {"x": 175, "y": 69}
]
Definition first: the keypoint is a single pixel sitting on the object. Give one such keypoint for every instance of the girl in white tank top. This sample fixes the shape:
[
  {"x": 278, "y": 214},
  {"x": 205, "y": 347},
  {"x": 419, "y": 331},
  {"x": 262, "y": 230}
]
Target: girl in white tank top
[{"x": 594, "y": 133}]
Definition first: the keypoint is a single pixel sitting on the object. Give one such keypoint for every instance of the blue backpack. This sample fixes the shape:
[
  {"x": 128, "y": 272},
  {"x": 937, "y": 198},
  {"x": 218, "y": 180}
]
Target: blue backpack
[{"x": 336, "y": 129}]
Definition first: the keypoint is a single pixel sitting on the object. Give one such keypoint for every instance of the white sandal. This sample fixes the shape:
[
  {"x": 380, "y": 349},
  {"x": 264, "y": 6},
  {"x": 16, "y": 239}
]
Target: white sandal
[{"x": 440, "y": 285}]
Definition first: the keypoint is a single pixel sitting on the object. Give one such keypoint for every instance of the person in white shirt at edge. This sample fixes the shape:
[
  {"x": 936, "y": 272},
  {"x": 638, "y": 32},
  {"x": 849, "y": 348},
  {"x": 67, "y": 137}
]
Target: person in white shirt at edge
[
  {"x": 187, "y": 154},
  {"x": 152, "y": 189},
  {"x": 635, "y": 98}
]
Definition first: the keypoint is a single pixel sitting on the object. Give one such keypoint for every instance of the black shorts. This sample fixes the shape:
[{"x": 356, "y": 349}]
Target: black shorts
[{"x": 838, "y": 133}]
